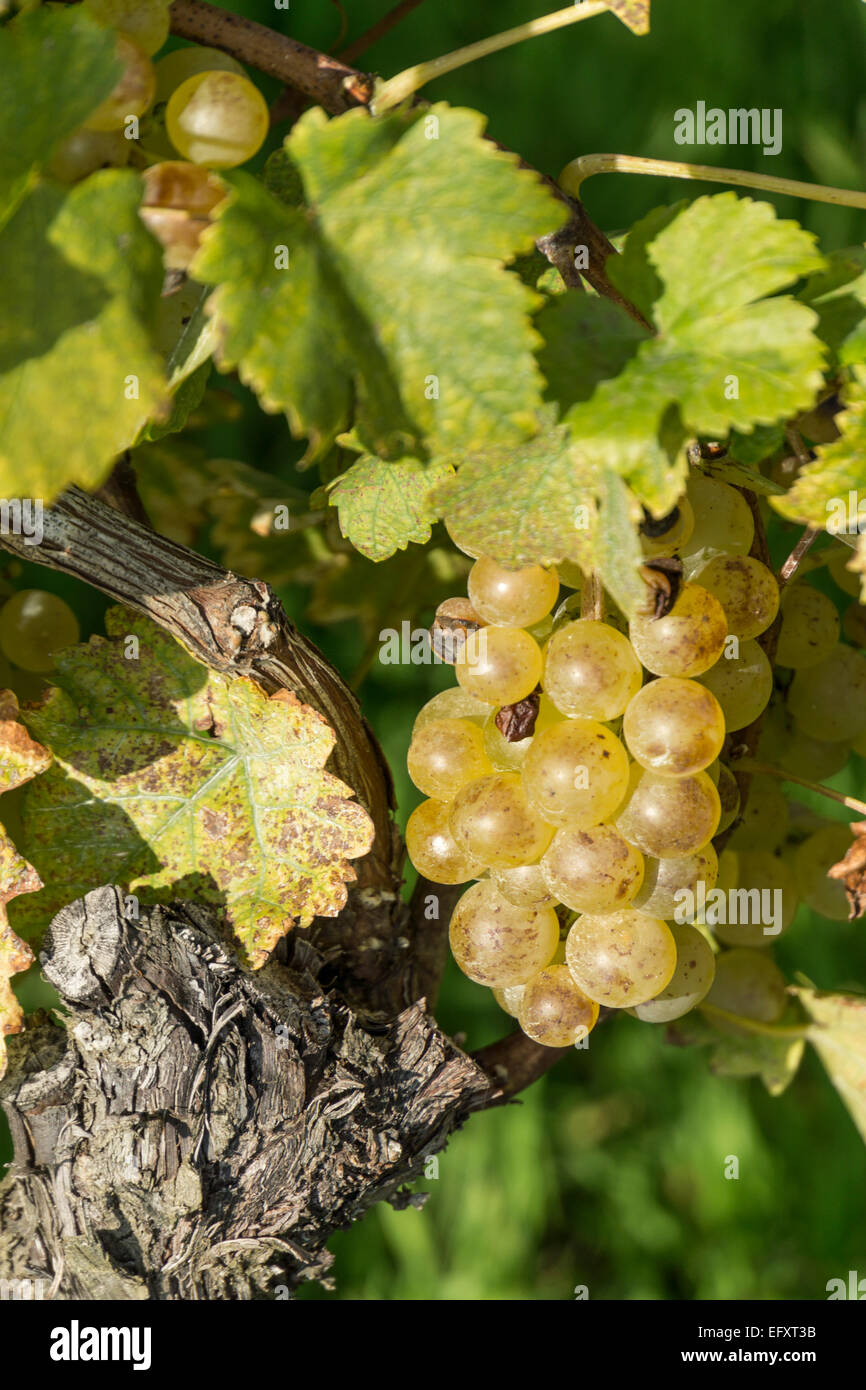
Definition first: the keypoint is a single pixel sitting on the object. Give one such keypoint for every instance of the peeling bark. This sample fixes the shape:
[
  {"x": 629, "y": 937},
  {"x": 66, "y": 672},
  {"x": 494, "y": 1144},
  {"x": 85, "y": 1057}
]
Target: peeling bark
[{"x": 199, "y": 1132}]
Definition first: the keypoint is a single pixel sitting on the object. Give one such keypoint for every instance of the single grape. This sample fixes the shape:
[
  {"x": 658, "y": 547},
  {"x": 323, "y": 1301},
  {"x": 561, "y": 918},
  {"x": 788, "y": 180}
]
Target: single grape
[
  {"x": 666, "y": 816},
  {"x": 499, "y": 664},
  {"x": 144, "y": 21},
  {"x": 828, "y": 701},
  {"x": 687, "y": 640},
  {"x": 553, "y": 1010},
  {"x": 765, "y": 817},
  {"x": 498, "y": 944},
  {"x": 668, "y": 542},
  {"x": 510, "y": 757},
  {"x": 132, "y": 94},
  {"x": 593, "y": 870},
  {"x": 810, "y": 627},
  {"x": 847, "y": 580},
  {"x": 854, "y": 624},
  {"x": 590, "y": 670},
  {"x": 761, "y": 907},
  {"x": 445, "y": 755},
  {"x": 690, "y": 982},
  {"x": 217, "y": 118},
  {"x": 493, "y": 823},
  {"x": 665, "y": 878},
  {"x": 858, "y": 745},
  {"x": 749, "y": 984},
  {"x": 823, "y": 849},
  {"x": 176, "y": 206},
  {"x": 570, "y": 574},
  {"x": 34, "y": 626},
  {"x": 431, "y": 847},
  {"x": 622, "y": 958},
  {"x": 576, "y": 773},
  {"x": 176, "y": 67},
  {"x": 523, "y": 886},
  {"x": 674, "y": 727},
  {"x": 453, "y": 703},
  {"x": 85, "y": 151},
  {"x": 729, "y": 798},
  {"x": 742, "y": 684},
  {"x": 509, "y": 998},
  {"x": 723, "y": 521},
  {"x": 747, "y": 591},
  {"x": 783, "y": 744},
  {"x": 518, "y": 597}
]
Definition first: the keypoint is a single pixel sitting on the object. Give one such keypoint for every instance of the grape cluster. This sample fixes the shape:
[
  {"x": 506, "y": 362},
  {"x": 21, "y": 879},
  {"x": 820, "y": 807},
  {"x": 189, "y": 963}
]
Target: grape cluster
[{"x": 575, "y": 773}]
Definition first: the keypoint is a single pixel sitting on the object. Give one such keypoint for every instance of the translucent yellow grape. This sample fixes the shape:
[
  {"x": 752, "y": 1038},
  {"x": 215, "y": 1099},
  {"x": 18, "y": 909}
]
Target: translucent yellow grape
[
  {"x": 675, "y": 727},
  {"x": 592, "y": 870},
  {"x": 729, "y": 798},
  {"x": 668, "y": 817},
  {"x": 590, "y": 670},
  {"x": 747, "y": 983},
  {"x": 664, "y": 879},
  {"x": 85, "y": 151},
  {"x": 144, "y": 21},
  {"x": 765, "y": 818},
  {"x": 553, "y": 1010},
  {"x": 523, "y": 886},
  {"x": 500, "y": 665},
  {"x": 742, "y": 684},
  {"x": 453, "y": 703},
  {"x": 498, "y": 944},
  {"x": 177, "y": 201},
  {"x": 518, "y": 597},
  {"x": 687, "y": 640},
  {"x": 576, "y": 773},
  {"x": 133, "y": 92},
  {"x": 217, "y": 118},
  {"x": 848, "y": 581},
  {"x": 176, "y": 67},
  {"x": 747, "y": 591},
  {"x": 672, "y": 540},
  {"x": 764, "y": 903},
  {"x": 445, "y": 755},
  {"x": 814, "y": 857},
  {"x": 34, "y": 626},
  {"x": 432, "y": 849},
  {"x": 690, "y": 982},
  {"x": 723, "y": 521},
  {"x": 509, "y": 998},
  {"x": 622, "y": 958},
  {"x": 829, "y": 700},
  {"x": 493, "y": 823},
  {"x": 810, "y": 627}
]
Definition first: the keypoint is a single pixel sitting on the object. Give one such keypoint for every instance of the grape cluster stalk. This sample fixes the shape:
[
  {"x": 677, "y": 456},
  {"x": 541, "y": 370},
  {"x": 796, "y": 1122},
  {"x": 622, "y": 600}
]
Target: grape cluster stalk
[{"x": 579, "y": 773}]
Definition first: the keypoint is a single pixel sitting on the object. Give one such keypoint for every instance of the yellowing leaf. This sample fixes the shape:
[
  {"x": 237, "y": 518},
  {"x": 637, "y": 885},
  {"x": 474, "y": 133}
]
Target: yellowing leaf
[
  {"x": 175, "y": 781},
  {"x": 831, "y": 492},
  {"x": 838, "y": 1034},
  {"x": 384, "y": 506},
  {"x": 634, "y": 13},
  {"x": 383, "y": 300}
]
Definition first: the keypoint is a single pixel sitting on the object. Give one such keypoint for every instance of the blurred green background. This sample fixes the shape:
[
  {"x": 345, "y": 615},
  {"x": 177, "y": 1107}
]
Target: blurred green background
[{"x": 609, "y": 1173}]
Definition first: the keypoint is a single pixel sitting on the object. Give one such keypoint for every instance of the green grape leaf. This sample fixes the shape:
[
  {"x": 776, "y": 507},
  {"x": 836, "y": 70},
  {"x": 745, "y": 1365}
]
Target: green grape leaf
[
  {"x": 774, "y": 1054},
  {"x": 753, "y": 448},
  {"x": 724, "y": 354},
  {"x": 586, "y": 339},
  {"x": 56, "y": 65},
  {"x": 838, "y": 1034},
  {"x": 170, "y": 779},
  {"x": 384, "y": 506},
  {"x": 79, "y": 279},
  {"x": 348, "y": 309},
  {"x": 632, "y": 271},
  {"x": 540, "y": 503},
  {"x": 838, "y": 296},
  {"x": 831, "y": 491},
  {"x": 187, "y": 338}
]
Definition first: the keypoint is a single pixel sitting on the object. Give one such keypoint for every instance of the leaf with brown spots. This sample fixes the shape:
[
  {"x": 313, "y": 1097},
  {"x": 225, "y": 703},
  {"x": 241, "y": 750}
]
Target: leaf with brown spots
[
  {"x": 634, "y": 13},
  {"x": 852, "y": 871},
  {"x": 175, "y": 781}
]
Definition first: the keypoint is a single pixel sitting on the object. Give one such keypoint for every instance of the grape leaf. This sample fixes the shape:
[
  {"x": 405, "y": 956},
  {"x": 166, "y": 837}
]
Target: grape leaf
[
  {"x": 79, "y": 279},
  {"x": 383, "y": 506},
  {"x": 838, "y": 1034},
  {"x": 586, "y": 339},
  {"x": 540, "y": 503},
  {"x": 20, "y": 759},
  {"x": 741, "y": 1051},
  {"x": 401, "y": 243},
  {"x": 838, "y": 296},
  {"x": 631, "y": 271},
  {"x": 70, "y": 62},
  {"x": 634, "y": 13},
  {"x": 173, "y": 780},
  {"x": 723, "y": 354},
  {"x": 832, "y": 490}
]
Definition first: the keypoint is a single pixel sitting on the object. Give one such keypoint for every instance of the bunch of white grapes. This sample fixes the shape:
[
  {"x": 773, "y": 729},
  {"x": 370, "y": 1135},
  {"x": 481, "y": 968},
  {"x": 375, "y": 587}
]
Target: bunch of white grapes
[{"x": 584, "y": 827}]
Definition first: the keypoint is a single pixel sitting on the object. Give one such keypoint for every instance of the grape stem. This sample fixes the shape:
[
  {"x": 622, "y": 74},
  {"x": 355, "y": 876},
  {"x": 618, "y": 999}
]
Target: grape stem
[
  {"x": 378, "y": 30},
  {"x": 592, "y": 598},
  {"x": 575, "y": 174},
  {"x": 754, "y": 1025},
  {"x": 791, "y": 565},
  {"x": 752, "y": 765},
  {"x": 404, "y": 84}
]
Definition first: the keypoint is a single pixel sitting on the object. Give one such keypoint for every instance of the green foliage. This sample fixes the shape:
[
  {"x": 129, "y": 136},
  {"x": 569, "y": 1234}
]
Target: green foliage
[{"x": 383, "y": 507}]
